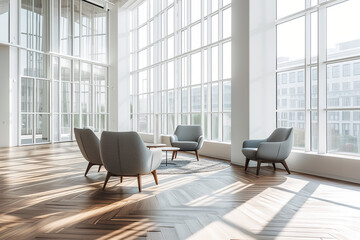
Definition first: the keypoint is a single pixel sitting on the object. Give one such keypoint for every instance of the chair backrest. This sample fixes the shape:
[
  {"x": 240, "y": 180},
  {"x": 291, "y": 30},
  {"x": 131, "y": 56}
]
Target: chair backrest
[
  {"x": 188, "y": 132},
  {"x": 280, "y": 135},
  {"x": 89, "y": 144},
  {"x": 124, "y": 153}
]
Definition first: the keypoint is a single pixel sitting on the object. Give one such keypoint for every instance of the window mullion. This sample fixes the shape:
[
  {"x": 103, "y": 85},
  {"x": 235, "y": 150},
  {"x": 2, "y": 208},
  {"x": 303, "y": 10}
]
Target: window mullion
[
  {"x": 307, "y": 81},
  {"x": 322, "y": 80}
]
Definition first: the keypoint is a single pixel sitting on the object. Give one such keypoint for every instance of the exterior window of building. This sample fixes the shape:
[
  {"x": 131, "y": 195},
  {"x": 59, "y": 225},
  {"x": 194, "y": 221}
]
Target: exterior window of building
[
  {"x": 181, "y": 66},
  {"x": 77, "y": 81},
  {"x": 357, "y": 68},
  {"x": 346, "y": 70},
  {"x": 336, "y": 71}
]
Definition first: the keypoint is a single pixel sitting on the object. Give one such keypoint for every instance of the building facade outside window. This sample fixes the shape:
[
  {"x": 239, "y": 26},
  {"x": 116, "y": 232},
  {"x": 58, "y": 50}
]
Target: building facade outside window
[
  {"x": 311, "y": 39},
  {"x": 181, "y": 66}
]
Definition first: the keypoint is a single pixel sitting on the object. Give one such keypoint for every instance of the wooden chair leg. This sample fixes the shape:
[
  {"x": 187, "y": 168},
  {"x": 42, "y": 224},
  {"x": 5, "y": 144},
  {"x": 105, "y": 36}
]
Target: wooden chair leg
[
  {"x": 197, "y": 154},
  {"x": 139, "y": 182},
  {"x": 155, "y": 177},
  {"x": 99, "y": 168},
  {"x": 176, "y": 154},
  {"x": 246, "y": 164},
  {"x": 88, "y": 168},
  {"x": 121, "y": 179},
  {"x": 173, "y": 155},
  {"x": 108, "y": 175},
  {"x": 258, "y": 167},
  {"x": 285, "y": 166},
  {"x": 274, "y": 166}
]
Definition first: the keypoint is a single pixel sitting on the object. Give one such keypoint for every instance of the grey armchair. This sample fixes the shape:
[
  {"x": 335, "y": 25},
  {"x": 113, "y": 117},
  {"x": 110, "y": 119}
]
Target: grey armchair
[
  {"x": 274, "y": 149},
  {"x": 89, "y": 144},
  {"x": 124, "y": 154},
  {"x": 187, "y": 138}
]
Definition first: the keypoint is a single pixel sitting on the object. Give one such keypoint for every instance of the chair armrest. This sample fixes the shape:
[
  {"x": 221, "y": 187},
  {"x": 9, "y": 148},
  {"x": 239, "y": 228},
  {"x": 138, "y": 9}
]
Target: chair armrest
[
  {"x": 269, "y": 151},
  {"x": 156, "y": 158},
  {"x": 253, "y": 143},
  {"x": 173, "y": 138},
  {"x": 200, "y": 142}
]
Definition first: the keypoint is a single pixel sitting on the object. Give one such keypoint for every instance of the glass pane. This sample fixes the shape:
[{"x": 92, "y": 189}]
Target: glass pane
[
  {"x": 143, "y": 13},
  {"x": 170, "y": 47},
  {"x": 143, "y": 123},
  {"x": 170, "y": 22},
  {"x": 195, "y": 10},
  {"x": 143, "y": 58},
  {"x": 226, "y": 60},
  {"x": 171, "y": 123},
  {"x": 85, "y": 99},
  {"x": 290, "y": 92},
  {"x": 196, "y": 119},
  {"x": 171, "y": 76},
  {"x": 27, "y": 90},
  {"x": 196, "y": 99},
  {"x": 143, "y": 37},
  {"x": 42, "y": 128},
  {"x": 314, "y": 37},
  {"x": 185, "y": 119},
  {"x": 314, "y": 131},
  {"x": 184, "y": 100},
  {"x": 42, "y": 96},
  {"x": 215, "y": 28},
  {"x": 85, "y": 73},
  {"x": 343, "y": 84},
  {"x": 215, "y": 97},
  {"x": 343, "y": 131},
  {"x": 342, "y": 41},
  {"x": 214, "y": 64},
  {"x": 227, "y": 23},
  {"x": 100, "y": 75},
  {"x": 314, "y": 87},
  {"x": 65, "y": 27},
  {"x": 196, "y": 36},
  {"x": 286, "y": 7},
  {"x": 143, "y": 82},
  {"x": 76, "y": 40},
  {"x": 196, "y": 68},
  {"x": 26, "y": 129},
  {"x": 171, "y": 101},
  {"x": 56, "y": 97},
  {"x": 227, "y": 127},
  {"x": 65, "y": 70},
  {"x": 65, "y": 127},
  {"x": 65, "y": 97},
  {"x": 295, "y": 120},
  {"x": 291, "y": 43},
  {"x": 143, "y": 103},
  {"x": 227, "y": 96},
  {"x": 56, "y": 68},
  {"x": 56, "y": 127},
  {"x": 215, "y": 127}
]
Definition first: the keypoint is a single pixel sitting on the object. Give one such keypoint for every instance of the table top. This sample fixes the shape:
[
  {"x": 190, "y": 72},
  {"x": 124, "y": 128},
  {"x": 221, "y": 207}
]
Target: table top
[
  {"x": 155, "y": 145},
  {"x": 165, "y": 149}
]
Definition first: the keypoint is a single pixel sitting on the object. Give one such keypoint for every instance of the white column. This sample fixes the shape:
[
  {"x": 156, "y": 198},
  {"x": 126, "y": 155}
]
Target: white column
[
  {"x": 119, "y": 71},
  {"x": 240, "y": 78}
]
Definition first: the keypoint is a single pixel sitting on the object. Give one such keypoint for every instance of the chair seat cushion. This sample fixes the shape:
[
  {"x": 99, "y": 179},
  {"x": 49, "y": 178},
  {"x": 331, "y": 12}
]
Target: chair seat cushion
[
  {"x": 250, "y": 153},
  {"x": 185, "y": 145}
]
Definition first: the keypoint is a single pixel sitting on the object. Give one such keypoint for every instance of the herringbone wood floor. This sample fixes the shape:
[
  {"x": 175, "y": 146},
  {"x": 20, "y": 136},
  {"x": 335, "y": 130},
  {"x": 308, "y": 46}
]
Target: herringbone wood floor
[{"x": 44, "y": 195}]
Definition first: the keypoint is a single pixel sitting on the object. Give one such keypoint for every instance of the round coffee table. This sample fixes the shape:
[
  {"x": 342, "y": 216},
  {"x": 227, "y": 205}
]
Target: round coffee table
[
  {"x": 169, "y": 149},
  {"x": 155, "y": 145}
]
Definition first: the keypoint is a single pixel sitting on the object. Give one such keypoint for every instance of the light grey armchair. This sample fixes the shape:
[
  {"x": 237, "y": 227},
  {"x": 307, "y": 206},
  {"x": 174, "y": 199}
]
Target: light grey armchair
[
  {"x": 124, "y": 154},
  {"x": 89, "y": 145},
  {"x": 187, "y": 138},
  {"x": 274, "y": 149}
]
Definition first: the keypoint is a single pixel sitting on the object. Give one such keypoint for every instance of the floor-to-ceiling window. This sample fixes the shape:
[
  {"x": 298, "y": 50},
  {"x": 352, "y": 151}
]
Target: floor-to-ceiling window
[
  {"x": 181, "y": 66},
  {"x": 318, "y": 74},
  {"x": 64, "y": 68}
]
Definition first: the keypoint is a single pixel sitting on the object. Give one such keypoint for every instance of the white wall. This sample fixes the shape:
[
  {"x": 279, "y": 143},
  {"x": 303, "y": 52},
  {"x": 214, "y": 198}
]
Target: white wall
[{"x": 240, "y": 78}]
